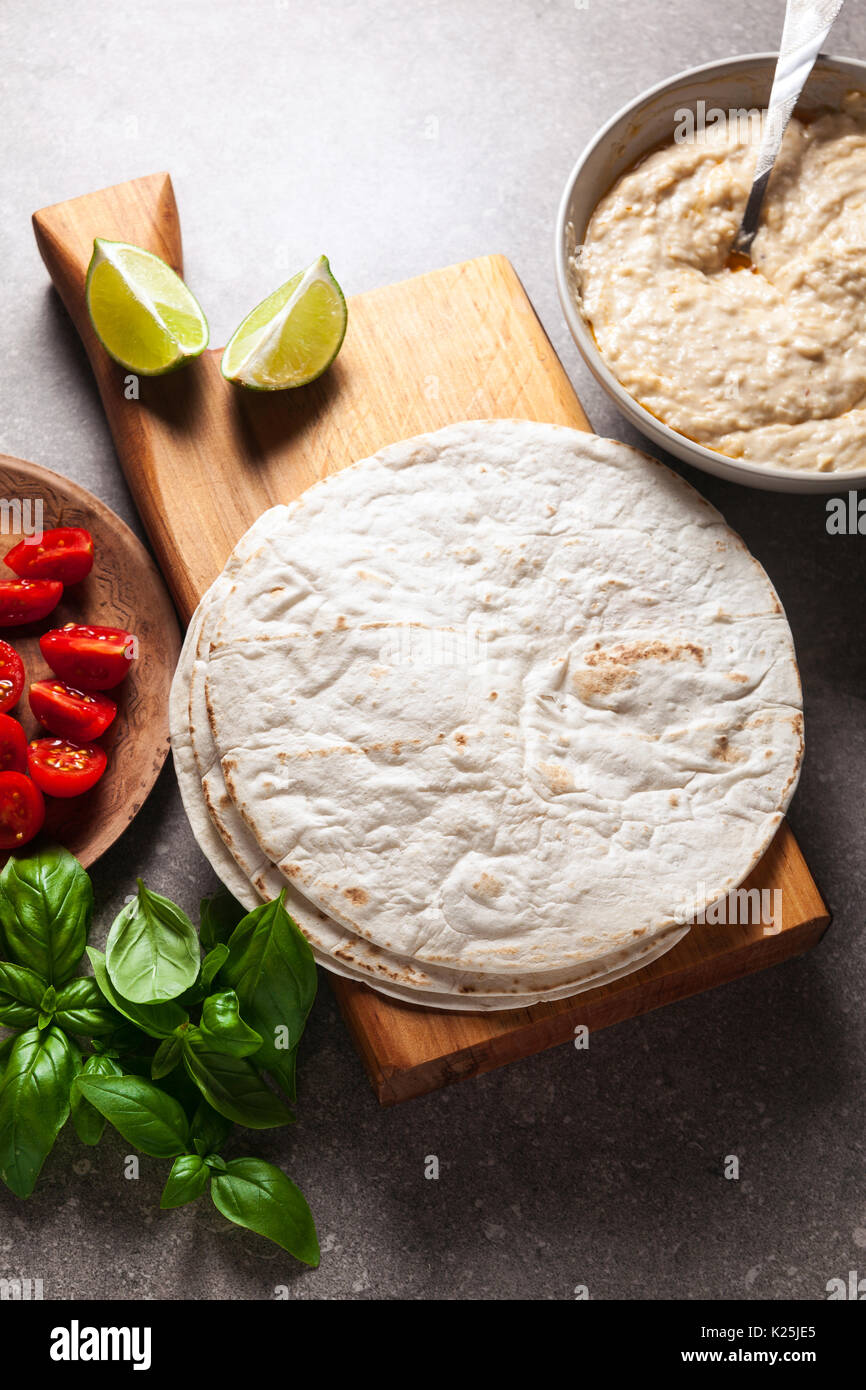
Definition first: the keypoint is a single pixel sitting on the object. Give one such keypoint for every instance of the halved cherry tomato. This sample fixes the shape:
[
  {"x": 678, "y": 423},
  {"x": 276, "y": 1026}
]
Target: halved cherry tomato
[
  {"x": 13, "y": 745},
  {"x": 60, "y": 767},
  {"x": 22, "y": 810},
  {"x": 64, "y": 553},
  {"x": 27, "y": 600},
  {"x": 89, "y": 658},
  {"x": 11, "y": 677},
  {"x": 76, "y": 714}
]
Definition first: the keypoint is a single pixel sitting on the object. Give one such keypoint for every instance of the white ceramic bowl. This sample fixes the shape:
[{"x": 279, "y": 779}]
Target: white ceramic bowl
[{"x": 645, "y": 123}]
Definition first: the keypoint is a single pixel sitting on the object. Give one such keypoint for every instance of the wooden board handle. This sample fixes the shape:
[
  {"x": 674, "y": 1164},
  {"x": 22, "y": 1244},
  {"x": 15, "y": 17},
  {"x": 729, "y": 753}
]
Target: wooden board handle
[
  {"x": 146, "y": 419},
  {"x": 142, "y": 211}
]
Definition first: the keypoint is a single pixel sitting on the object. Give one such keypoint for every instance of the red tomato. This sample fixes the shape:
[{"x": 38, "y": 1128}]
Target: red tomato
[
  {"x": 27, "y": 600},
  {"x": 64, "y": 553},
  {"x": 13, "y": 745},
  {"x": 22, "y": 810},
  {"x": 60, "y": 767},
  {"x": 77, "y": 714},
  {"x": 89, "y": 658},
  {"x": 11, "y": 677}
]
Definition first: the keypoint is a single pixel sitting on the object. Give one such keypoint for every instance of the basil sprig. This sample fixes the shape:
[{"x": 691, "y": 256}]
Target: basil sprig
[{"x": 180, "y": 1048}]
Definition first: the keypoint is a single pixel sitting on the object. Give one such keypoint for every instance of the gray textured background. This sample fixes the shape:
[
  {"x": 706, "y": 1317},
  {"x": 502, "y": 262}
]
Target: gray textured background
[{"x": 291, "y": 128}]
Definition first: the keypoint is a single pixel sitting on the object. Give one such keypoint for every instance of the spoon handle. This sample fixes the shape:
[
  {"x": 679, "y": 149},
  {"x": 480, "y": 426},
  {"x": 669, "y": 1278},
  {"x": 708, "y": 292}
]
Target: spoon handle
[{"x": 807, "y": 24}]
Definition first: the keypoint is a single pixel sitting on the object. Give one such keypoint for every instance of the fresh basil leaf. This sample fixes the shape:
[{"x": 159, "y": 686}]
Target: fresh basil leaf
[
  {"x": 218, "y": 917},
  {"x": 213, "y": 963},
  {"x": 257, "y": 1195},
  {"x": 6, "y": 1046},
  {"x": 158, "y": 1020},
  {"x": 272, "y": 970},
  {"x": 233, "y": 1086},
  {"x": 223, "y": 1027},
  {"x": 34, "y": 1104},
  {"x": 89, "y": 1124},
  {"x": 46, "y": 906},
  {"x": 166, "y": 1057},
  {"x": 152, "y": 953},
  {"x": 146, "y": 1117},
  {"x": 81, "y": 1008},
  {"x": 21, "y": 992},
  {"x": 209, "y": 1130},
  {"x": 217, "y": 1164},
  {"x": 186, "y": 1181}
]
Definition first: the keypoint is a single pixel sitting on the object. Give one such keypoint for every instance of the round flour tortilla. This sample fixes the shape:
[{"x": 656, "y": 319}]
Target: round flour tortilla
[{"x": 504, "y": 698}]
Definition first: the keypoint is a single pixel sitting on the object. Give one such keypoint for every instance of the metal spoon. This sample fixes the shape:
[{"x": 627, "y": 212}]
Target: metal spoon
[{"x": 807, "y": 24}]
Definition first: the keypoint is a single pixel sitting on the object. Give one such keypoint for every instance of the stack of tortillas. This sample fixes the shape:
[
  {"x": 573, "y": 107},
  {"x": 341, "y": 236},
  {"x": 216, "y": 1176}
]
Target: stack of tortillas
[{"x": 490, "y": 707}]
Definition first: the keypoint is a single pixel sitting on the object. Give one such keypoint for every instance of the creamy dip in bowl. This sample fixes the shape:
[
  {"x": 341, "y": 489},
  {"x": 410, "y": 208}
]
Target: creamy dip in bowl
[{"x": 757, "y": 375}]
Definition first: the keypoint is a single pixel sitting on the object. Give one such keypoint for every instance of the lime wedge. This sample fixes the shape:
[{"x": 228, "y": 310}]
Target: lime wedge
[
  {"x": 292, "y": 336},
  {"x": 143, "y": 313}
]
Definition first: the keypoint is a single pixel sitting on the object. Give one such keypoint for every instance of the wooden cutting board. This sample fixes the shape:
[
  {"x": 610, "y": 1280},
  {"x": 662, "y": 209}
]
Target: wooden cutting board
[{"x": 204, "y": 459}]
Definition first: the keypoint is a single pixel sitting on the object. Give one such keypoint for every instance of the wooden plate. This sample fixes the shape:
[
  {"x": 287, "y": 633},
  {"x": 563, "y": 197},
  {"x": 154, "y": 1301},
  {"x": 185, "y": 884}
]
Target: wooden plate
[{"x": 124, "y": 589}]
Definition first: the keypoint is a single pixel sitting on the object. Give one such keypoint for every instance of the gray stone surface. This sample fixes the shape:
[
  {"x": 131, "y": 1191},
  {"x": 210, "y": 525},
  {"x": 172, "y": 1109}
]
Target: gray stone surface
[{"x": 291, "y": 128}]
